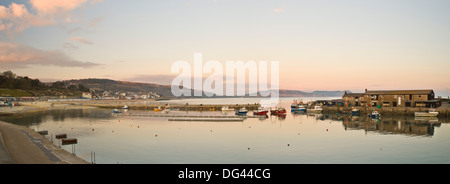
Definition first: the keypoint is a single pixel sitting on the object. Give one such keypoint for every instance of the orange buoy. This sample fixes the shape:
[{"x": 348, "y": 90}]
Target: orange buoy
[
  {"x": 138, "y": 126},
  {"x": 327, "y": 129},
  {"x": 156, "y": 135}
]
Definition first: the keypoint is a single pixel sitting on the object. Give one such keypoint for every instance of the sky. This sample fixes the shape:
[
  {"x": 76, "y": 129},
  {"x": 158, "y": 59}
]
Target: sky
[{"x": 320, "y": 45}]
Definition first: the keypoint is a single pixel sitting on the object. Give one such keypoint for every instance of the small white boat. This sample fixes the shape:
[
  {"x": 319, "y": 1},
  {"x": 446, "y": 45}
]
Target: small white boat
[
  {"x": 125, "y": 107},
  {"x": 316, "y": 109},
  {"x": 428, "y": 113},
  {"x": 225, "y": 108}
]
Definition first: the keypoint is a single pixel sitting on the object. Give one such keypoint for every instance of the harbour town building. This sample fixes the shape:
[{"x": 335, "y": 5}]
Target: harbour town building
[{"x": 392, "y": 98}]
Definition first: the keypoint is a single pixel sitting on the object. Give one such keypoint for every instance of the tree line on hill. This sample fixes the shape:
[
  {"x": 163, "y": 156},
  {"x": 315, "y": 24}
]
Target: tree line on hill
[{"x": 11, "y": 84}]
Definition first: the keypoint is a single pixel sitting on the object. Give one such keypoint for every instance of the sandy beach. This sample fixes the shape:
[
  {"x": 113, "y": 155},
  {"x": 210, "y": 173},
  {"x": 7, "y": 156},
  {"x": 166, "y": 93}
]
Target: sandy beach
[{"x": 39, "y": 106}]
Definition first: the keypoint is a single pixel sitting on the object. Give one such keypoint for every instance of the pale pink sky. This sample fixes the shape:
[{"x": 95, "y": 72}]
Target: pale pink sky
[{"x": 321, "y": 45}]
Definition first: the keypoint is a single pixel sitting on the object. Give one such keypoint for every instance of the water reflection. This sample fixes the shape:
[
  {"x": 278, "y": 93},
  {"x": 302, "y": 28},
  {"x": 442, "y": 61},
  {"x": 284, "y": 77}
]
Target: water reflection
[
  {"x": 311, "y": 137},
  {"x": 58, "y": 115},
  {"x": 407, "y": 125}
]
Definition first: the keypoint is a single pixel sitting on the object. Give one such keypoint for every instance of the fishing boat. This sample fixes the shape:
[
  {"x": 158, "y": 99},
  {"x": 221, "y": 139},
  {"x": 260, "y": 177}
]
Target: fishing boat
[
  {"x": 117, "y": 111},
  {"x": 125, "y": 107},
  {"x": 355, "y": 111},
  {"x": 374, "y": 114},
  {"x": 260, "y": 111},
  {"x": 159, "y": 109},
  {"x": 427, "y": 113},
  {"x": 299, "y": 108},
  {"x": 226, "y": 109},
  {"x": 242, "y": 111},
  {"x": 279, "y": 110},
  {"x": 316, "y": 109}
]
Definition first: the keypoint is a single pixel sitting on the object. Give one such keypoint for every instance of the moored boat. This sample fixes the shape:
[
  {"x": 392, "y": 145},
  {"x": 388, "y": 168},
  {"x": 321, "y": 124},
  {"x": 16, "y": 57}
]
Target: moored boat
[
  {"x": 277, "y": 111},
  {"x": 117, "y": 111},
  {"x": 299, "y": 108},
  {"x": 242, "y": 111},
  {"x": 427, "y": 113},
  {"x": 260, "y": 111},
  {"x": 226, "y": 109},
  {"x": 159, "y": 109},
  {"x": 125, "y": 107},
  {"x": 374, "y": 114},
  {"x": 316, "y": 109}
]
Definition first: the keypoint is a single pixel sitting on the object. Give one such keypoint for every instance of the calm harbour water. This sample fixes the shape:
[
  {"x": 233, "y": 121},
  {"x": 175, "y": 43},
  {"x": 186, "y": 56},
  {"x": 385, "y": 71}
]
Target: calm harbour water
[{"x": 298, "y": 138}]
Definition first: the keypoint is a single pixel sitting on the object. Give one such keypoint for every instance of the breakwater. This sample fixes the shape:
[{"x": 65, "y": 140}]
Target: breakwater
[
  {"x": 404, "y": 111},
  {"x": 188, "y": 107}
]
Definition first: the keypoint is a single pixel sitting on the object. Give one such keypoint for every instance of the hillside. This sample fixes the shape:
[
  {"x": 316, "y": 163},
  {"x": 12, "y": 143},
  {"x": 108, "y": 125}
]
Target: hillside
[
  {"x": 122, "y": 86},
  {"x": 165, "y": 90},
  {"x": 12, "y": 85}
]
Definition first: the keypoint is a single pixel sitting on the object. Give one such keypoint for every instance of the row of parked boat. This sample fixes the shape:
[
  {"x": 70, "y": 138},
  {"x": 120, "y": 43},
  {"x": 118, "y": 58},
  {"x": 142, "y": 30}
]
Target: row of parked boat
[
  {"x": 260, "y": 112},
  {"x": 376, "y": 114},
  {"x": 299, "y": 106}
]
